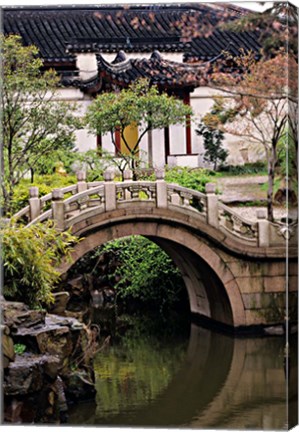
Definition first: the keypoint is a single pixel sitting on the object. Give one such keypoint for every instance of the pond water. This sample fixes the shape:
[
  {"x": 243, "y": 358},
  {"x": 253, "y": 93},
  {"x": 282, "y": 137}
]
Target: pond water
[{"x": 192, "y": 378}]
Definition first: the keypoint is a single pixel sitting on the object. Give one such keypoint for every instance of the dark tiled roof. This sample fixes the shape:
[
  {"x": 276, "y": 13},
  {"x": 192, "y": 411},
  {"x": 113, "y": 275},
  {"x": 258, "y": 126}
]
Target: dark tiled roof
[
  {"x": 60, "y": 31},
  {"x": 158, "y": 71}
]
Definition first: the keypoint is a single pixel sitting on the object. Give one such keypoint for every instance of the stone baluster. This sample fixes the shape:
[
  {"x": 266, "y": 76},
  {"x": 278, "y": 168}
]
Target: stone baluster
[
  {"x": 128, "y": 177},
  {"x": 34, "y": 203},
  {"x": 81, "y": 181},
  {"x": 161, "y": 187},
  {"x": 110, "y": 191},
  {"x": 175, "y": 199},
  {"x": 212, "y": 205},
  {"x": 263, "y": 228},
  {"x": 58, "y": 209}
]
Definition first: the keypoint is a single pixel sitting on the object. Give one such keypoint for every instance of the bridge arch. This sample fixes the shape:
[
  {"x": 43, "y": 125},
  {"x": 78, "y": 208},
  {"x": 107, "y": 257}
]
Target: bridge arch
[
  {"x": 212, "y": 290},
  {"x": 234, "y": 268}
]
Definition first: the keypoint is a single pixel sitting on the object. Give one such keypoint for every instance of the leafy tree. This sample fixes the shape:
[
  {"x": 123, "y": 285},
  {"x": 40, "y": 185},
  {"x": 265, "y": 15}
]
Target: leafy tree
[
  {"x": 276, "y": 27},
  {"x": 123, "y": 162},
  {"x": 276, "y": 30},
  {"x": 33, "y": 124},
  {"x": 287, "y": 168},
  {"x": 257, "y": 108},
  {"x": 212, "y": 141},
  {"x": 93, "y": 163},
  {"x": 29, "y": 256},
  {"x": 141, "y": 105}
]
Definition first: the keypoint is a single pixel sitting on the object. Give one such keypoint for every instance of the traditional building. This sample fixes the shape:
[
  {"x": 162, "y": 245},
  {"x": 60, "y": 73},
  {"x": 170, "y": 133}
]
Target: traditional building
[{"x": 105, "y": 48}]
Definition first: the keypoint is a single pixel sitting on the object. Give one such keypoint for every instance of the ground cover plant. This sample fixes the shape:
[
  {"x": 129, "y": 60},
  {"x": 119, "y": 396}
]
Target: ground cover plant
[{"x": 249, "y": 168}]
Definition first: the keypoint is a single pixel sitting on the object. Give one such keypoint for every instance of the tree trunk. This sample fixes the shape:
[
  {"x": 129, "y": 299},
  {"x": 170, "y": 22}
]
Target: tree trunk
[
  {"x": 134, "y": 173},
  {"x": 271, "y": 173},
  {"x": 31, "y": 175},
  {"x": 7, "y": 198}
]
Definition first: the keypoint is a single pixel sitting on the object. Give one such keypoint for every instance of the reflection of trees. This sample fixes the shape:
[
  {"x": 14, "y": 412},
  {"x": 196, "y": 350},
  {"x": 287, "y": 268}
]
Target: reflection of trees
[
  {"x": 181, "y": 386},
  {"x": 135, "y": 372},
  {"x": 220, "y": 382}
]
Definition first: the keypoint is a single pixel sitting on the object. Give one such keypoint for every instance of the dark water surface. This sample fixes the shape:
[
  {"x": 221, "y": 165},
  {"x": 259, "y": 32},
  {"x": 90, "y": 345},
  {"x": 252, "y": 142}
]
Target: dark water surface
[{"x": 196, "y": 379}]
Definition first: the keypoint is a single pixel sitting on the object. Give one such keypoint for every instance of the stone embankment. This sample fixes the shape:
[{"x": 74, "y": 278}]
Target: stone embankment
[{"x": 47, "y": 364}]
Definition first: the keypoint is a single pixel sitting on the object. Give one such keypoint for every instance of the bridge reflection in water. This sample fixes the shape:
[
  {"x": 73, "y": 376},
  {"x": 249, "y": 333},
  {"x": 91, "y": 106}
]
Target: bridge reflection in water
[{"x": 220, "y": 382}]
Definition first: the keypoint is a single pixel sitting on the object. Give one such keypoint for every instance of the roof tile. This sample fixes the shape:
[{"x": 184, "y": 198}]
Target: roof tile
[{"x": 60, "y": 31}]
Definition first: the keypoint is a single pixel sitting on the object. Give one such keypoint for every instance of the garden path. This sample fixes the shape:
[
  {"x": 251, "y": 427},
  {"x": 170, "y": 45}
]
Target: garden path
[{"x": 240, "y": 189}]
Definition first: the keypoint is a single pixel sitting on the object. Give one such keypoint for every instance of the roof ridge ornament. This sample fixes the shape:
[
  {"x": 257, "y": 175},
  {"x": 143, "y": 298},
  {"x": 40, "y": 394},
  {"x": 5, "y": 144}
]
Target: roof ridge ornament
[
  {"x": 120, "y": 57},
  {"x": 156, "y": 55},
  {"x": 113, "y": 67}
]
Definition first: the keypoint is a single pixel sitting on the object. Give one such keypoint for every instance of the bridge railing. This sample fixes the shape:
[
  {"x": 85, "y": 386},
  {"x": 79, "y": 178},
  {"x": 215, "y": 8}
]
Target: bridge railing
[
  {"x": 187, "y": 199},
  {"x": 237, "y": 225},
  {"x": 64, "y": 204}
]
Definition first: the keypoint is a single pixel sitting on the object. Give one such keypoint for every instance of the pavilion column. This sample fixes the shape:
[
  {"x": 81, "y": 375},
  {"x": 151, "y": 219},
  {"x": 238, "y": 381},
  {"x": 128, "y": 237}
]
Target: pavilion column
[
  {"x": 117, "y": 142},
  {"x": 188, "y": 126}
]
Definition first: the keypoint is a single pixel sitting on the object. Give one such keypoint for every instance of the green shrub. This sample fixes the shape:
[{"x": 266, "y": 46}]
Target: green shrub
[
  {"x": 213, "y": 145},
  {"x": 47, "y": 164},
  {"x": 254, "y": 203},
  {"x": 264, "y": 187},
  {"x": 259, "y": 167},
  {"x": 45, "y": 184},
  {"x": 146, "y": 272},
  {"x": 138, "y": 269},
  {"x": 29, "y": 256},
  {"x": 19, "y": 348},
  {"x": 191, "y": 178}
]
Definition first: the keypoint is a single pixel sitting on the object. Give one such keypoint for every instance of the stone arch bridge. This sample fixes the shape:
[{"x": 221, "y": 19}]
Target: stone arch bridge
[{"x": 236, "y": 271}]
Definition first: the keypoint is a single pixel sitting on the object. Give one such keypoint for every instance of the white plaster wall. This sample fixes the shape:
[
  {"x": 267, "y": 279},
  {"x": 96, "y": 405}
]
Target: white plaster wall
[
  {"x": 158, "y": 148},
  {"x": 85, "y": 140},
  {"x": 191, "y": 161},
  {"x": 201, "y": 102},
  {"x": 75, "y": 98},
  {"x": 81, "y": 107},
  {"x": 177, "y": 139},
  {"x": 107, "y": 143},
  {"x": 68, "y": 94},
  {"x": 87, "y": 65}
]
